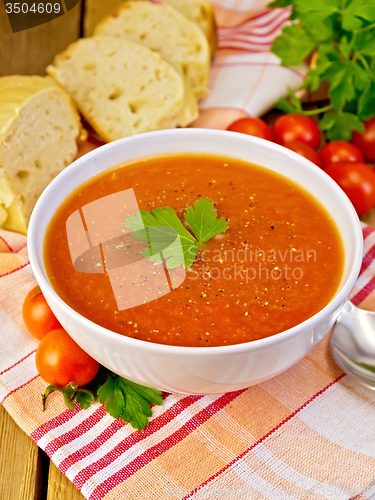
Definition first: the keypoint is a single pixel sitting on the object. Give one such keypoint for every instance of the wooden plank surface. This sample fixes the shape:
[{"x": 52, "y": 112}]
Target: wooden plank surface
[
  {"x": 94, "y": 11},
  {"x": 369, "y": 218},
  {"x": 59, "y": 486},
  {"x": 20, "y": 462},
  {"x": 28, "y": 52}
]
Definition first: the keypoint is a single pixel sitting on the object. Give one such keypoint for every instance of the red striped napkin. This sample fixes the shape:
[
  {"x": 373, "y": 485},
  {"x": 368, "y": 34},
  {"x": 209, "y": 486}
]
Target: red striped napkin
[{"x": 307, "y": 433}]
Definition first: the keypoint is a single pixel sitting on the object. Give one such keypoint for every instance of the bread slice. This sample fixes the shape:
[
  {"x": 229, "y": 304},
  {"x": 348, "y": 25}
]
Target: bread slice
[
  {"x": 39, "y": 129},
  {"x": 202, "y": 14},
  {"x": 122, "y": 88},
  {"x": 163, "y": 29}
]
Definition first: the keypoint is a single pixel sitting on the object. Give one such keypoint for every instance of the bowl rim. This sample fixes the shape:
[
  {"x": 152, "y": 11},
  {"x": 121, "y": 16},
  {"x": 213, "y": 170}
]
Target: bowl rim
[{"x": 339, "y": 297}]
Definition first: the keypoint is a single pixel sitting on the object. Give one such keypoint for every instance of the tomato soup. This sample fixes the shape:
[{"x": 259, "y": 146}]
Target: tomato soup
[{"x": 279, "y": 262}]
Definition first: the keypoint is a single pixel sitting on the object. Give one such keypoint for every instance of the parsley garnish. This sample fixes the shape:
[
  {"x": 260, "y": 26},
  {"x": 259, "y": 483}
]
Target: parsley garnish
[
  {"x": 342, "y": 34},
  {"x": 122, "y": 398},
  {"x": 203, "y": 221},
  {"x": 160, "y": 228},
  {"x": 128, "y": 400}
]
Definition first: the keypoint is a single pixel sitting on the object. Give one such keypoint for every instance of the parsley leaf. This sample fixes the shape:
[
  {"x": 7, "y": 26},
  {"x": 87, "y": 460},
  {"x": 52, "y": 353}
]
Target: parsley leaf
[
  {"x": 341, "y": 33},
  {"x": 203, "y": 220},
  {"x": 293, "y": 46},
  {"x": 122, "y": 398},
  {"x": 163, "y": 226},
  {"x": 339, "y": 125},
  {"x": 280, "y": 3},
  {"x": 128, "y": 400},
  {"x": 160, "y": 228},
  {"x": 366, "y": 102},
  {"x": 112, "y": 396},
  {"x": 291, "y": 104},
  {"x": 84, "y": 400}
]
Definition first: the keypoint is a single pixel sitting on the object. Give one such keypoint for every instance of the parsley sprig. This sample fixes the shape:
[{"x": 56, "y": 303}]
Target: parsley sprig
[
  {"x": 342, "y": 34},
  {"x": 128, "y": 400},
  {"x": 163, "y": 225},
  {"x": 122, "y": 398}
]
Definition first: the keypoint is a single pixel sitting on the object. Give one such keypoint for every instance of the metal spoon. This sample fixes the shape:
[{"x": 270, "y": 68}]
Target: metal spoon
[{"x": 353, "y": 344}]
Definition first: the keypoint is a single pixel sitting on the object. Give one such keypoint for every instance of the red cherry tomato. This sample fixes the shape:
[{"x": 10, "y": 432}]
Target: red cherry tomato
[
  {"x": 304, "y": 150},
  {"x": 59, "y": 360},
  {"x": 289, "y": 128},
  {"x": 252, "y": 126},
  {"x": 340, "y": 152},
  {"x": 357, "y": 180},
  {"x": 37, "y": 315},
  {"x": 366, "y": 141}
]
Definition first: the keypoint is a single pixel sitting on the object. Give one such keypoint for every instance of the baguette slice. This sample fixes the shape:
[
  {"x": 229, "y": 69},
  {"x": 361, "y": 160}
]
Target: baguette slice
[
  {"x": 202, "y": 14},
  {"x": 122, "y": 88},
  {"x": 163, "y": 29},
  {"x": 39, "y": 129}
]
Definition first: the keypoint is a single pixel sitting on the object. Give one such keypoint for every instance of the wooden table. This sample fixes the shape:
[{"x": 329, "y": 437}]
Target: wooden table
[{"x": 26, "y": 473}]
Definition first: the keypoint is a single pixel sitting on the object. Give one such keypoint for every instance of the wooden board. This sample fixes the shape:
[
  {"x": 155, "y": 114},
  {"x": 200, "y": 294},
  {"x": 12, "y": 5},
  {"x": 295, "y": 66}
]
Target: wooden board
[
  {"x": 28, "y": 52},
  {"x": 59, "y": 486},
  {"x": 94, "y": 11},
  {"x": 20, "y": 462}
]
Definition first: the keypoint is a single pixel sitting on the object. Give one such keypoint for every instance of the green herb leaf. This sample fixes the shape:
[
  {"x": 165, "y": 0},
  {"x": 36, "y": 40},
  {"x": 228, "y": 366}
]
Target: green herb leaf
[
  {"x": 343, "y": 35},
  {"x": 366, "y": 102},
  {"x": 137, "y": 402},
  {"x": 327, "y": 56},
  {"x": 134, "y": 412},
  {"x": 341, "y": 78},
  {"x": 112, "y": 396},
  {"x": 290, "y": 105},
  {"x": 340, "y": 125},
  {"x": 356, "y": 14},
  {"x": 153, "y": 396},
  {"x": 121, "y": 397},
  {"x": 293, "y": 45},
  {"x": 164, "y": 223},
  {"x": 280, "y": 3},
  {"x": 325, "y": 7},
  {"x": 84, "y": 400},
  {"x": 365, "y": 43},
  {"x": 203, "y": 220},
  {"x": 160, "y": 228},
  {"x": 345, "y": 47},
  {"x": 320, "y": 30}
]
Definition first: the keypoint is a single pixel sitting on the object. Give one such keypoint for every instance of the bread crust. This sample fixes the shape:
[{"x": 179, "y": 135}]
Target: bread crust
[
  {"x": 202, "y": 13},
  {"x": 39, "y": 131},
  {"x": 122, "y": 88},
  {"x": 163, "y": 29}
]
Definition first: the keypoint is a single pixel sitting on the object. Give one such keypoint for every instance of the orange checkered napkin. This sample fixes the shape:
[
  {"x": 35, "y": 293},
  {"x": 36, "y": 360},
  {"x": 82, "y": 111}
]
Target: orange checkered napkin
[{"x": 307, "y": 433}]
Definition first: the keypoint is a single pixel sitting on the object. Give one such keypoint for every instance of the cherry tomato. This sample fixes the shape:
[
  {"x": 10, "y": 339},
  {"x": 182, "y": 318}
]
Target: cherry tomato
[
  {"x": 252, "y": 126},
  {"x": 289, "y": 128},
  {"x": 340, "y": 152},
  {"x": 37, "y": 315},
  {"x": 304, "y": 150},
  {"x": 366, "y": 141},
  {"x": 357, "y": 180},
  {"x": 59, "y": 360}
]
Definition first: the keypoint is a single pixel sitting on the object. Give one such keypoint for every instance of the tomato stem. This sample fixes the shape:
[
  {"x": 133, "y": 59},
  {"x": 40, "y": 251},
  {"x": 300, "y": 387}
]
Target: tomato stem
[
  {"x": 69, "y": 392},
  {"x": 35, "y": 294}
]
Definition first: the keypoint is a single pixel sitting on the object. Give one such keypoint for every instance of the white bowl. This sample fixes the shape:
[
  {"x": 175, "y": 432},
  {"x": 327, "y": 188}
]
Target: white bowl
[{"x": 199, "y": 370}]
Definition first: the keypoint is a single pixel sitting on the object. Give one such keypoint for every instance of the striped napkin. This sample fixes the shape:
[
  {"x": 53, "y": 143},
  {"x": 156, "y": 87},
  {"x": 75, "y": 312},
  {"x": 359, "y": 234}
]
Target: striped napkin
[{"x": 307, "y": 433}]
